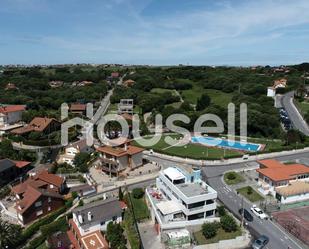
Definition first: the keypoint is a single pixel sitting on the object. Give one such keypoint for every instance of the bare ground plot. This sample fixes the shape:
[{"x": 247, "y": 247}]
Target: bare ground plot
[{"x": 295, "y": 221}]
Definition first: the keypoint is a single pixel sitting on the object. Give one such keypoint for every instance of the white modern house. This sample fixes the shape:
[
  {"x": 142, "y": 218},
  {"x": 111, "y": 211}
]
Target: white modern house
[
  {"x": 11, "y": 114},
  {"x": 181, "y": 199},
  {"x": 126, "y": 106},
  {"x": 72, "y": 149},
  {"x": 96, "y": 216}
]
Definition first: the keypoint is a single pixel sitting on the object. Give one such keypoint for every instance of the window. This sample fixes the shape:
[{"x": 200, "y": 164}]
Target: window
[
  {"x": 209, "y": 202},
  {"x": 40, "y": 212},
  {"x": 196, "y": 216},
  {"x": 210, "y": 213},
  {"x": 38, "y": 204}
]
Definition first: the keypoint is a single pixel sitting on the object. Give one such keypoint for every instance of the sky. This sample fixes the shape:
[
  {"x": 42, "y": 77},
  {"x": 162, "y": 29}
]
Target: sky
[{"x": 154, "y": 32}]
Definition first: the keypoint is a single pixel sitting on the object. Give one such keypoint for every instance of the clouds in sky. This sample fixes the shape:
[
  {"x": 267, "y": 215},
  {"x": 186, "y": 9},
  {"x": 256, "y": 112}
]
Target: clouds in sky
[{"x": 154, "y": 32}]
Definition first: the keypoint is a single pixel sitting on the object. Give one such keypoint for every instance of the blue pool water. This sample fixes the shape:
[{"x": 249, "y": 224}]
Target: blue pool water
[{"x": 219, "y": 142}]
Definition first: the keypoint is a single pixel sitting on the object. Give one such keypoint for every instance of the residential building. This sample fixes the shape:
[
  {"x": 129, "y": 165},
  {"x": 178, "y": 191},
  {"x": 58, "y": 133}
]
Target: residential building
[
  {"x": 128, "y": 83},
  {"x": 96, "y": 215},
  {"x": 38, "y": 196},
  {"x": 11, "y": 114},
  {"x": 115, "y": 75},
  {"x": 72, "y": 150},
  {"x": 126, "y": 106},
  {"x": 271, "y": 92},
  {"x": 10, "y": 170},
  {"x": 56, "y": 83},
  {"x": 10, "y": 86},
  {"x": 181, "y": 199},
  {"x": 77, "y": 108},
  {"x": 39, "y": 124},
  {"x": 114, "y": 159},
  {"x": 288, "y": 183},
  {"x": 280, "y": 83}
]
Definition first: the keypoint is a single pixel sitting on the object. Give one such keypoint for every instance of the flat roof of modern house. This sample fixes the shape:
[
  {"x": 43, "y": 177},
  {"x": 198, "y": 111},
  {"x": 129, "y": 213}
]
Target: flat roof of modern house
[
  {"x": 173, "y": 173},
  {"x": 168, "y": 207},
  {"x": 193, "y": 189}
]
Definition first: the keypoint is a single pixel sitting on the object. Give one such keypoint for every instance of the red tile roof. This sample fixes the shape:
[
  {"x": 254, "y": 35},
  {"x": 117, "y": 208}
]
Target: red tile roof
[
  {"x": 270, "y": 163},
  {"x": 37, "y": 124},
  {"x": 12, "y": 108},
  {"x": 119, "y": 151},
  {"x": 50, "y": 178},
  {"x": 78, "y": 107},
  {"x": 21, "y": 164},
  {"x": 283, "y": 172}
]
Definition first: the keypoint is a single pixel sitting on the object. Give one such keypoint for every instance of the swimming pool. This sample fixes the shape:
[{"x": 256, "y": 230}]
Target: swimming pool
[{"x": 225, "y": 143}]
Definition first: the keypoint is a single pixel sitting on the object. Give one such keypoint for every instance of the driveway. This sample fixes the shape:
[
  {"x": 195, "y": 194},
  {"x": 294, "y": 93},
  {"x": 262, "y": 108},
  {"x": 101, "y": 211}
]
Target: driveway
[{"x": 149, "y": 236}]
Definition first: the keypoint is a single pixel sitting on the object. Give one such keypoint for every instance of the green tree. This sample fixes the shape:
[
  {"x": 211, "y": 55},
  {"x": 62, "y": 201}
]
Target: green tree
[
  {"x": 115, "y": 237},
  {"x": 138, "y": 193},
  {"x": 9, "y": 234},
  {"x": 210, "y": 230},
  {"x": 81, "y": 160},
  {"x": 203, "y": 102},
  {"x": 249, "y": 190},
  {"x": 120, "y": 194},
  {"x": 228, "y": 223},
  {"x": 221, "y": 211}
]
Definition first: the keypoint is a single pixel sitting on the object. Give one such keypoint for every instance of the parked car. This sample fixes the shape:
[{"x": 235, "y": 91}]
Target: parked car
[
  {"x": 259, "y": 213},
  {"x": 247, "y": 214},
  {"x": 260, "y": 242}
]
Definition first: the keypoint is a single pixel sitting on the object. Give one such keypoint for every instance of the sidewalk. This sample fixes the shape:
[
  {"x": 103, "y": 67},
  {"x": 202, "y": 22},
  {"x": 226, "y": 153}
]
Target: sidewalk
[{"x": 223, "y": 162}]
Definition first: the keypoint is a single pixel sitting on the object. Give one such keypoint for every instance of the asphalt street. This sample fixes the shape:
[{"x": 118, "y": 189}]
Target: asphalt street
[
  {"x": 279, "y": 239},
  {"x": 297, "y": 120}
]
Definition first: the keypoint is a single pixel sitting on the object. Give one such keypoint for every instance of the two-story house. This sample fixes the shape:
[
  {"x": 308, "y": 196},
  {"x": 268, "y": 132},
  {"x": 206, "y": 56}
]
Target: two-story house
[
  {"x": 115, "y": 159},
  {"x": 180, "y": 199},
  {"x": 288, "y": 183},
  {"x": 11, "y": 170},
  {"x": 89, "y": 220},
  {"x": 38, "y": 196},
  {"x": 39, "y": 124},
  {"x": 72, "y": 149},
  {"x": 11, "y": 114}
]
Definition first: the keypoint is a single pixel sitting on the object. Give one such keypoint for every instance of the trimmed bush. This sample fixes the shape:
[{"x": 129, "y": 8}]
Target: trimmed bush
[
  {"x": 221, "y": 211},
  {"x": 138, "y": 193},
  {"x": 228, "y": 223},
  {"x": 210, "y": 229}
]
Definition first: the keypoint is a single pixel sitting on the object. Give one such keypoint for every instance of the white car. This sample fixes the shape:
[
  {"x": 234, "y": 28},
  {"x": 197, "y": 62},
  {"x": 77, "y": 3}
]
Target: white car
[{"x": 259, "y": 213}]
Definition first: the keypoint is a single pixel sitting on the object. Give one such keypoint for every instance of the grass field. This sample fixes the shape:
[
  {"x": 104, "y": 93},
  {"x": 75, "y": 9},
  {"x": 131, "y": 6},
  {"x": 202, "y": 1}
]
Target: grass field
[
  {"x": 163, "y": 90},
  {"x": 217, "y": 97},
  {"x": 253, "y": 196},
  {"x": 303, "y": 107},
  {"x": 232, "y": 177},
  {"x": 221, "y": 235},
  {"x": 193, "y": 151},
  {"x": 140, "y": 208}
]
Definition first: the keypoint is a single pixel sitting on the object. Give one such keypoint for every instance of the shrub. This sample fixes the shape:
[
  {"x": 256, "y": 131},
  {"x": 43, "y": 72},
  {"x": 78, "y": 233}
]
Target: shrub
[
  {"x": 231, "y": 176},
  {"x": 221, "y": 211},
  {"x": 228, "y": 223},
  {"x": 138, "y": 193},
  {"x": 210, "y": 229},
  {"x": 249, "y": 190}
]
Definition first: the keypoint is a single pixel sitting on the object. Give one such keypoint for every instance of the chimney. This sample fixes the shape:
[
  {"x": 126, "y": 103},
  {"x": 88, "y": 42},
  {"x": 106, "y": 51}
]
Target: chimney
[
  {"x": 80, "y": 219},
  {"x": 89, "y": 216}
]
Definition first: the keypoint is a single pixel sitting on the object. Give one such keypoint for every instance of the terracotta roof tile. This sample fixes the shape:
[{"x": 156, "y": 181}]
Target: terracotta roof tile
[{"x": 12, "y": 108}]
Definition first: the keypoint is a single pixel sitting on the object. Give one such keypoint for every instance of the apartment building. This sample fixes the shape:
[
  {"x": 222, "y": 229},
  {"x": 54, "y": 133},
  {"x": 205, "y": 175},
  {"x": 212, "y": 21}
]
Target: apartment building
[{"x": 180, "y": 199}]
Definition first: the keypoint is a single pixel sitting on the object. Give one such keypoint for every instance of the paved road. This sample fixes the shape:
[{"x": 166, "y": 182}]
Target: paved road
[
  {"x": 297, "y": 120},
  {"x": 279, "y": 239}
]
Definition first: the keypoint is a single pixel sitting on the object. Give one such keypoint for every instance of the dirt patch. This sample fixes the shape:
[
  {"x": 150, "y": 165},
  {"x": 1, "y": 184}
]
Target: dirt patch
[{"x": 295, "y": 221}]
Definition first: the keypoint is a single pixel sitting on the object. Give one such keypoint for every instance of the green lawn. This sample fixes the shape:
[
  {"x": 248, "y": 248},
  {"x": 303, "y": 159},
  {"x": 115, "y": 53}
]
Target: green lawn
[
  {"x": 232, "y": 177},
  {"x": 303, "y": 107},
  {"x": 130, "y": 229},
  {"x": 221, "y": 235},
  {"x": 194, "y": 151},
  {"x": 253, "y": 197},
  {"x": 163, "y": 90},
  {"x": 217, "y": 97},
  {"x": 140, "y": 208}
]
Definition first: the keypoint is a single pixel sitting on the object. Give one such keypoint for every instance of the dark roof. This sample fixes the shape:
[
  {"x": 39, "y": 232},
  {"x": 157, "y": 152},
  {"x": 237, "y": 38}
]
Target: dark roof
[
  {"x": 6, "y": 164},
  {"x": 101, "y": 211}
]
